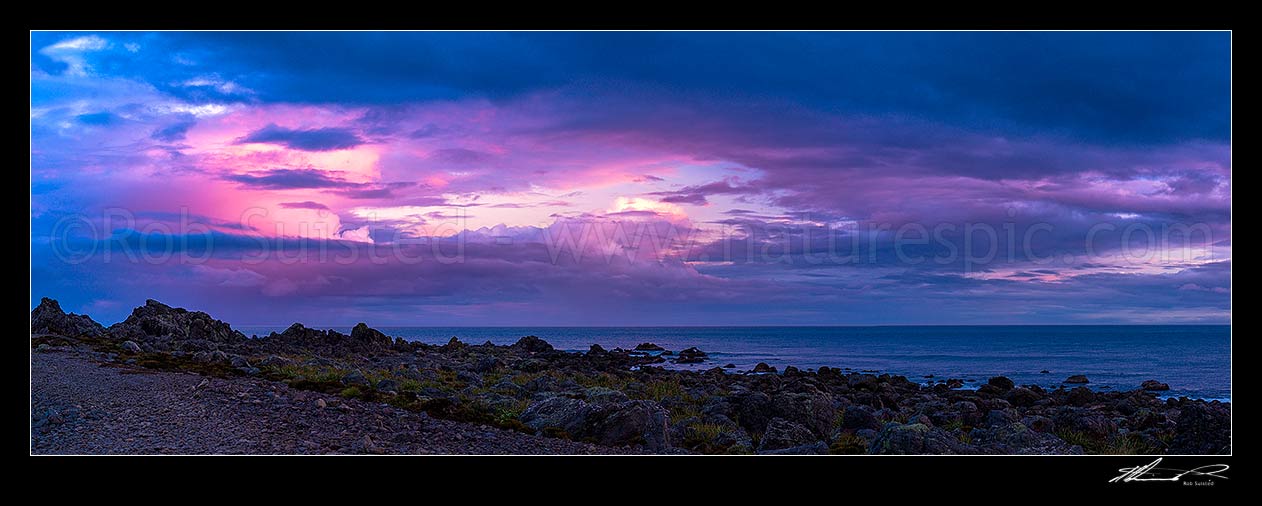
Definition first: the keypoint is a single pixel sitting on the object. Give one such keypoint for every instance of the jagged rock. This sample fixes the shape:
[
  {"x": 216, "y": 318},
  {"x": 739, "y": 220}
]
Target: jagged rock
[
  {"x": 365, "y": 338},
  {"x": 330, "y": 342},
  {"x": 158, "y": 322},
  {"x": 646, "y": 347},
  {"x": 48, "y": 318},
  {"x": 131, "y": 347}
]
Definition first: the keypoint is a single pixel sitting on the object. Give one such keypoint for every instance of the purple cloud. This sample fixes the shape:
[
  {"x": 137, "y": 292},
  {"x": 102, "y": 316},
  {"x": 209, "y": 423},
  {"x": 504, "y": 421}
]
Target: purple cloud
[{"x": 315, "y": 139}]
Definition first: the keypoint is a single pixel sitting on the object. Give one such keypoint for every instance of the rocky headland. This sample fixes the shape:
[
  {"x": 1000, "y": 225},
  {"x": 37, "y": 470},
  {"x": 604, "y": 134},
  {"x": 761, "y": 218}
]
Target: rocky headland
[{"x": 169, "y": 380}]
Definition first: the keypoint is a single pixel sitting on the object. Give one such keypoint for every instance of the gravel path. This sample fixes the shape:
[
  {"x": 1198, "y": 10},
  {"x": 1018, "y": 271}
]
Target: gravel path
[{"x": 82, "y": 406}]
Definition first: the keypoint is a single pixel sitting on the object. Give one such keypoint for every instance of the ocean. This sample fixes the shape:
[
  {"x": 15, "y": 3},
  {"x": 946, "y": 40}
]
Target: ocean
[{"x": 1195, "y": 360}]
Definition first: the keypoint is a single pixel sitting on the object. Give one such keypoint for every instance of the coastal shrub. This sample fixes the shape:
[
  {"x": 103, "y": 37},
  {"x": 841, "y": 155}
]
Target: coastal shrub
[
  {"x": 1089, "y": 444},
  {"x": 702, "y": 436},
  {"x": 681, "y": 412},
  {"x": 603, "y": 380},
  {"x": 169, "y": 362},
  {"x": 848, "y": 444},
  {"x": 1129, "y": 444},
  {"x": 659, "y": 390},
  {"x": 351, "y": 393}
]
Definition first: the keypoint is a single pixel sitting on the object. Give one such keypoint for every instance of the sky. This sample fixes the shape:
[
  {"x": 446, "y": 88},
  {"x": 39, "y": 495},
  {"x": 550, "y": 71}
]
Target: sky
[{"x": 634, "y": 179}]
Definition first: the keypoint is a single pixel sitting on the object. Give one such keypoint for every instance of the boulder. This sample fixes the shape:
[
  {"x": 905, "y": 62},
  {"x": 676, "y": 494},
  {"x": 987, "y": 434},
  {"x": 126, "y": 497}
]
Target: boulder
[
  {"x": 856, "y": 417},
  {"x": 1077, "y": 379},
  {"x": 131, "y": 347},
  {"x": 388, "y": 385},
  {"x": 610, "y": 424},
  {"x": 48, "y": 318},
  {"x": 781, "y": 434},
  {"x": 763, "y": 368},
  {"x": 1039, "y": 423},
  {"x": 648, "y": 347},
  {"x": 1080, "y": 396},
  {"x": 211, "y": 357},
  {"x": 691, "y": 356},
  {"x": 355, "y": 378},
  {"x": 487, "y": 364},
  {"x": 1017, "y": 439},
  {"x": 863, "y": 382},
  {"x": 1154, "y": 386},
  {"x": 1202, "y": 428},
  {"x": 1022, "y": 397},
  {"x": 1001, "y": 382},
  {"x": 813, "y": 410},
  {"x": 751, "y": 408},
  {"x": 917, "y": 439},
  {"x": 532, "y": 344}
]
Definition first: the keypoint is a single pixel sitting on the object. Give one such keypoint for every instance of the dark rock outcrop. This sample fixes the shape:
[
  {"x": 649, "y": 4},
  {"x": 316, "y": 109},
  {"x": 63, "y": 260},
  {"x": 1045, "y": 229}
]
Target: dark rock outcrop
[
  {"x": 329, "y": 343},
  {"x": 532, "y": 344},
  {"x": 176, "y": 328},
  {"x": 763, "y": 368},
  {"x": 48, "y": 318},
  {"x": 691, "y": 356},
  {"x": 1077, "y": 379},
  {"x": 1154, "y": 386}
]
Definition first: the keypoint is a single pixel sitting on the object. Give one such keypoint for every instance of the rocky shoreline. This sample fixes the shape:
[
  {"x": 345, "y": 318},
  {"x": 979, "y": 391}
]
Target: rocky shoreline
[{"x": 531, "y": 398}]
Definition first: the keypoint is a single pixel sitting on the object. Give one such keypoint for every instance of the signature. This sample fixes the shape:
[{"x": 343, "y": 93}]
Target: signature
[{"x": 1151, "y": 472}]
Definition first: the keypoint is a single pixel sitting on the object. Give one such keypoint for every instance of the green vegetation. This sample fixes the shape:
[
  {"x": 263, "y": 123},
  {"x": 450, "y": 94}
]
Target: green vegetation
[
  {"x": 848, "y": 444},
  {"x": 659, "y": 390}
]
